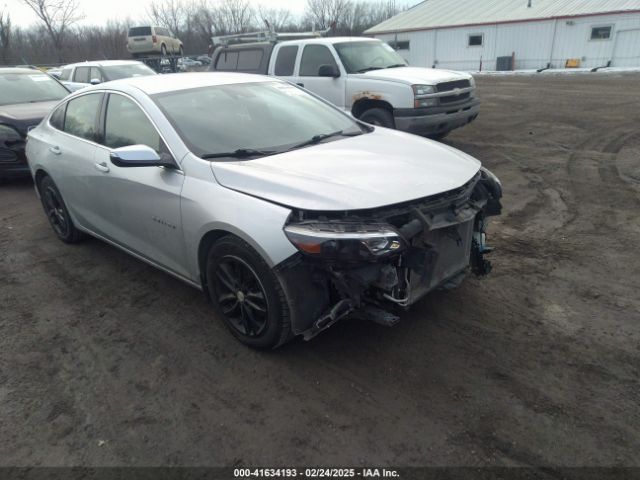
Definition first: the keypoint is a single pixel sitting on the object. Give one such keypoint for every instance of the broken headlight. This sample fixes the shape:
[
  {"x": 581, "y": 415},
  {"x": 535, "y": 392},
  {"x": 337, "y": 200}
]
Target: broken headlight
[{"x": 345, "y": 241}]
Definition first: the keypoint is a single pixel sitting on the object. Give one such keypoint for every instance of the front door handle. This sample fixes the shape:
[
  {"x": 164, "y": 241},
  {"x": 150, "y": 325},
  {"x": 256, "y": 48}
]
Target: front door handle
[
  {"x": 55, "y": 150},
  {"x": 103, "y": 167},
  {"x": 300, "y": 84}
]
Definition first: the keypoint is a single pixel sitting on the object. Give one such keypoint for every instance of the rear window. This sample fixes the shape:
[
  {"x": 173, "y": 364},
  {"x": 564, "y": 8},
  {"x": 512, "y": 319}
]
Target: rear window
[
  {"x": 139, "y": 31},
  {"x": 286, "y": 61}
]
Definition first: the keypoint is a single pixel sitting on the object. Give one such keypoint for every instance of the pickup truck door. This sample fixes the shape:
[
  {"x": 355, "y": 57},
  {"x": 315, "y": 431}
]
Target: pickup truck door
[{"x": 312, "y": 58}]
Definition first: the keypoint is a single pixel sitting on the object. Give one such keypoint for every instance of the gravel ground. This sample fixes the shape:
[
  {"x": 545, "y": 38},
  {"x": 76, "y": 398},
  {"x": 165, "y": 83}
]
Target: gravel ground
[{"x": 107, "y": 361}]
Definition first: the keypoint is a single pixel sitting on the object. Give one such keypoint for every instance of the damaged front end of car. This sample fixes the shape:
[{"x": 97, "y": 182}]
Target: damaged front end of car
[{"x": 365, "y": 263}]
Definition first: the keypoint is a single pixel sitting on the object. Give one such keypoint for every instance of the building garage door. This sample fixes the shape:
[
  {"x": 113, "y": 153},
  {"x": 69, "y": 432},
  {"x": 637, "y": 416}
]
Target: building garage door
[{"x": 627, "y": 49}]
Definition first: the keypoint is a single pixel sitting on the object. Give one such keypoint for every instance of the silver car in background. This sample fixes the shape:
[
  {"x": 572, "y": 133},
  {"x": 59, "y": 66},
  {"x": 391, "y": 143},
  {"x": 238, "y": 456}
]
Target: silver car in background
[{"x": 287, "y": 212}]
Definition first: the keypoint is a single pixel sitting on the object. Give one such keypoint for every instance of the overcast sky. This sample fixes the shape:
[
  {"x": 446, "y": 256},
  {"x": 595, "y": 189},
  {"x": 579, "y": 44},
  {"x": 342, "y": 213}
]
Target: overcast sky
[{"x": 98, "y": 11}]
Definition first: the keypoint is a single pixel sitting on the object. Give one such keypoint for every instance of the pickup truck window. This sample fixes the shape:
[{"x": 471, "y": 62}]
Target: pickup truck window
[
  {"x": 286, "y": 61},
  {"x": 313, "y": 56},
  {"x": 360, "y": 57},
  {"x": 227, "y": 61},
  {"x": 249, "y": 60}
]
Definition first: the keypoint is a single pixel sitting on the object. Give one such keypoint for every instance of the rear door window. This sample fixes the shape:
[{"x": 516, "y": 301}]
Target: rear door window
[
  {"x": 314, "y": 56},
  {"x": 57, "y": 117},
  {"x": 82, "y": 113},
  {"x": 286, "y": 61},
  {"x": 227, "y": 61},
  {"x": 81, "y": 75}
]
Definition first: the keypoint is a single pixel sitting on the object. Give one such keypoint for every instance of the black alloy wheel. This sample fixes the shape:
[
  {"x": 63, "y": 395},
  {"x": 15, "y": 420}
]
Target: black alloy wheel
[
  {"x": 241, "y": 296},
  {"x": 246, "y": 294},
  {"x": 57, "y": 213}
]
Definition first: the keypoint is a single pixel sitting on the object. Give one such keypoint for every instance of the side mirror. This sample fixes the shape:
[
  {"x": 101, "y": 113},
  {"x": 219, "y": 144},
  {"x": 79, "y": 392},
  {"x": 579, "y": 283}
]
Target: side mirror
[
  {"x": 138, "y": 156},
  {"x": 95, "y": 81},
  {"x": 328, "y": 71}
]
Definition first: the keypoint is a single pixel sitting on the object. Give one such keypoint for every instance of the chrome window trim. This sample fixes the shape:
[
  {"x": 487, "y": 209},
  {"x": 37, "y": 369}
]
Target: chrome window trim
[{"x": 104, "y": 147}]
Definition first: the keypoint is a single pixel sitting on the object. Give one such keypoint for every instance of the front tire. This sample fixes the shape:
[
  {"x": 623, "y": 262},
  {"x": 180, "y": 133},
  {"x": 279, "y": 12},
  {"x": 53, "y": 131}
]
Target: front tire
[
  {"x": 379, "y": 117},
  {"x": 247, "y": 295},
  {"x": 57, "y": 213}
]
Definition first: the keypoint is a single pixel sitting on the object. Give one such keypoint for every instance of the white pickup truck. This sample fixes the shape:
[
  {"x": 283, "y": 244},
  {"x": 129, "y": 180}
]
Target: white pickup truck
[{"x": 363, "y": 76}]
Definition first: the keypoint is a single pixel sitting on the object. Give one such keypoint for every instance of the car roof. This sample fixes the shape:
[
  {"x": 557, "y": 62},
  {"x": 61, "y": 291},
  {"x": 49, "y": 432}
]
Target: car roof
[
  {"x": 103, "y": 63},
  {"x": 171, "y": 82}
]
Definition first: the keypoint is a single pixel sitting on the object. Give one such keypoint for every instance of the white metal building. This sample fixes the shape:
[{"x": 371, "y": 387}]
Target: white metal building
[{"x": 462, "y": 34}]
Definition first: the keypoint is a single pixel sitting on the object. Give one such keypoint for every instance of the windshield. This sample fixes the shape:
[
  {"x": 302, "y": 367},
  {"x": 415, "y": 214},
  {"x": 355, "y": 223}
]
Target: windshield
[
  {"x": 265, "y": 117},
  {"x": 29, "y": 87},
  {"x": 360, "y": 57},
  {"x": 116, "y": 72}
]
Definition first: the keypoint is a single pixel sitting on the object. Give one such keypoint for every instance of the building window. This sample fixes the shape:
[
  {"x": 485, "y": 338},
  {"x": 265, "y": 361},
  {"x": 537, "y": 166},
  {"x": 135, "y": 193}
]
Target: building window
[
  {"x": 601, "y": 33},
  {"x": 476, "y": 40},
  {"x": 400, "y": 45}
]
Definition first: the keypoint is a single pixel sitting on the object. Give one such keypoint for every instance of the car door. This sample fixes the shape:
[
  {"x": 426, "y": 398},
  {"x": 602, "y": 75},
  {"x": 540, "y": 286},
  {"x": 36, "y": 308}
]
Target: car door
[
  {"x": 71, "y": 152},
  {"x": 331, "y": 89},
  {"x": 144, "y": 214}
]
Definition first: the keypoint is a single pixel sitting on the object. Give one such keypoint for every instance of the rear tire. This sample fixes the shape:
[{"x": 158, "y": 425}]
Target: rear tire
[
  {"x": 163, "y": 50},
  {"x": 379, "y": 117},
  {"x": 247, "y": 295},
  {"x": 57, "y": 213}
]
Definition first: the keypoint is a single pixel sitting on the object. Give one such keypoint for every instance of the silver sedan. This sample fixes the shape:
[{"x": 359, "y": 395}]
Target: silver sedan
[{"x": 287, "y": 212}]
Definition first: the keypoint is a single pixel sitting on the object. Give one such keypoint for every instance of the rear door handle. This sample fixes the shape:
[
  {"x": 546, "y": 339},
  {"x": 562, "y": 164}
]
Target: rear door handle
[
  {"x": 103, "y": 167},
  {"x": 300, "y": 84},
  {"x": 55, "y": 150}
]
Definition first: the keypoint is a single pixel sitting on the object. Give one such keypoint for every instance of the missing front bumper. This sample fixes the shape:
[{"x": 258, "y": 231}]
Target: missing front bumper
[{"x": 446, "y": 237}]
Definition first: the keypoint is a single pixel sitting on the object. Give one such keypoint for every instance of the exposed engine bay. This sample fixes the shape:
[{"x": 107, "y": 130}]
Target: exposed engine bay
[{"x": 368, "y": 263}]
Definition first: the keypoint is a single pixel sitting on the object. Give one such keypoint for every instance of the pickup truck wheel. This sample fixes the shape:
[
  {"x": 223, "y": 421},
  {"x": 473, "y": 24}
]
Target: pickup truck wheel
[
  {"x": 247, "y": 295},
  {"x": 163, "y": 50},
  {"x": 181, "y": 51},
  {"x": 379, "y": 117},
  {"x": 57, "y": 213}
]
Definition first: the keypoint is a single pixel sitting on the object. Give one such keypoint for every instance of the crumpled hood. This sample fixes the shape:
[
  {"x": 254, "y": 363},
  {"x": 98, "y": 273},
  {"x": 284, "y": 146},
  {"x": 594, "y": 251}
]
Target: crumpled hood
[
  {"x": 416, "y": 76},
  {"x": 382, "y": 168},
  {"x": 24, "y": 115}
]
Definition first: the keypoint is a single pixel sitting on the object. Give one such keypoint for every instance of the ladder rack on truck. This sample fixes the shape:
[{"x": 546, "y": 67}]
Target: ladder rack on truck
[{"x": 269, "y": 35}]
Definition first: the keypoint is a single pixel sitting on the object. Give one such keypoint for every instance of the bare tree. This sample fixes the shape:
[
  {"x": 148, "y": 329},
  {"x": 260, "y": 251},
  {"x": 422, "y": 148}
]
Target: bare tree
[
  {"x": 171, "y": 14},
  {"x": 57, "y": 16},
  {"x": 323, "y": 13},
  {"x": 236, "y": 16},
  {"x": 5, "y": 35},
  {"x": 275, "y": 18}
]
